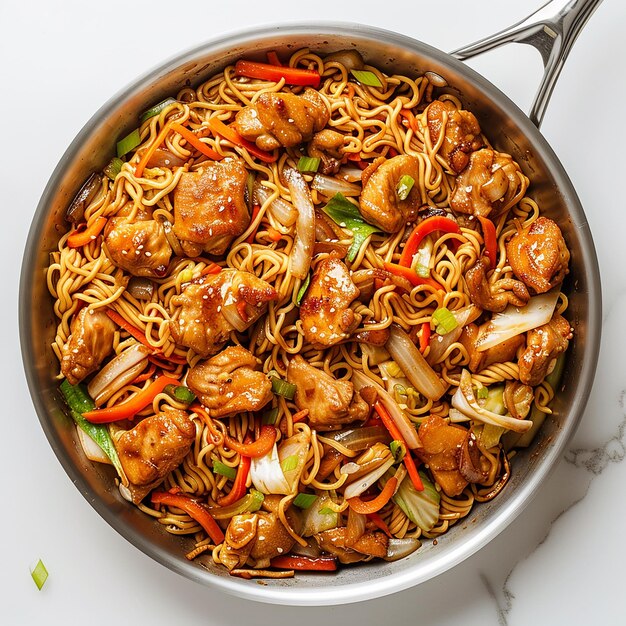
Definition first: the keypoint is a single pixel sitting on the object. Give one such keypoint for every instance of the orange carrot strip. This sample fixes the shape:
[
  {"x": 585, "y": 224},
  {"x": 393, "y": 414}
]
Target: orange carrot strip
[
  {"x": 81, "y": 237},
  {"x": 160, "y": 138},
  {"x": 371, "y": 506},
  {"x": 411, "y": 468},
  {"x": 379, "y": 522},
  {"x": 200, "y": 146},
  {"x": 211, "y": 268},
  {"x": 238, "y": 489},
  {"x": 256, "y": 449},
  {"x": 273, "y": 234},
  {"x": 299, "y": 416},
  {"x": 411, "y": 276},
  {"x": 264, "y": 71},
  {"x": 127, "y": 326},
  {"x": 230, "y": 134}
]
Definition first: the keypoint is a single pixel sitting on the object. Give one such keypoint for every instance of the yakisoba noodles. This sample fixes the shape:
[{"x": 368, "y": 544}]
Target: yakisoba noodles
[{"x": 308, "y": 314}]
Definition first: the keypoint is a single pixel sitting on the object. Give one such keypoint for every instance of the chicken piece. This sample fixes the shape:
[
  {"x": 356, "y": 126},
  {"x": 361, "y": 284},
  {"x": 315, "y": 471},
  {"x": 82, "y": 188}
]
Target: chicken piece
[
  {"x": 538, "y": 255},
  {"x": 491, "y": 183},
  {"x": 543, "y": 345},
  {"x": 209, "y": 207},
  {"x": 501, "y": 353},
  {"x": 380, "y": 204},
  {"x": 326, "y": 145},
  {"x": 331, "y": 403},
  {"x": 138, "y": 246},
  {"x": 325, "y": 310},
  {"x": 153, "y": 448},
  {"x": 282, "y": 119},
  {"x": 461, "y": 134},
  {"x": 89, "y": 343},
  {"x": 451, "y": 454},
  {"x": 497, "y": 296},
  {"x": 230, "y": 383},
  {"x": 370, "y": 544},
  {"x": 211, "y": 307}
]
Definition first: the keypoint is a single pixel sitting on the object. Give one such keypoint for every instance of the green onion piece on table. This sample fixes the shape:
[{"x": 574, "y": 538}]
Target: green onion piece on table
[
  {"x": 403, "y": 188},
  {"x": 365, "y": 77},
  {"x": 128, "y": 143},
  {"x": 39, "y": 574}
]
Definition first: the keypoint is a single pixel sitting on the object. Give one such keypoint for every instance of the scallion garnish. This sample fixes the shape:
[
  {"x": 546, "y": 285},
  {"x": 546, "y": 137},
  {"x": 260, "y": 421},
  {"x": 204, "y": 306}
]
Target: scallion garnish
[
  {"x": 303, "y": 288},
  {"x": 282, "y": 388},
  {"x": 224, "y": 470},
  {"x": 290, "y": 463},
  {"x": 181, "y": 393},
  {"x": 397, "y": 450},
  {"x": 482, "y": 393},
  {"x": 113, "y": 168},
  {"x": 308, "y": 164},
  {"x": 365, "y": 77},
  {"x": 326, "y": 511},
  {"x": 304, "y": 500},
  {"x": 403, "y": 188},
  {"x": 39, "y": 574},
  {"x": 444, "y": 320},
  {"x": 270, "y": 416},
  {"x": 422, "y": 271},
  {"x": 128, "y": 143},
  {"x": 156, "y": 109}
]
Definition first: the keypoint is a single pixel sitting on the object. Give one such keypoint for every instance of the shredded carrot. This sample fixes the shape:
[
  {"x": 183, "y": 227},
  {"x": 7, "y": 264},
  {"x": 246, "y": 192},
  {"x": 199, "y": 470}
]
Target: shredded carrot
[
  {"x": 127, "y": 326},
  {"x": 256, "y": 449},
  {"x": 242, "y": 310},
  {"x": 273, "y": 234},
  {"x": 411, "y": 468},
  {"x": 160, "y": 138},
  {"x": 255, "y": 213},
  {"x": 299, "y": 416},
  {"x": 372, "y": 506},
  {"x": 238, "y": 489},
  {"x": 424, "y": 337},
  {"x": 412, "y": 276},
  {"x": 408, "y": 119},
  {"x": 82, "y": 236},
  {"x": 192, "y": 139},
  {"x": 376, "y": 519},
  {"x": 230, "y": 134},
  {"x": 211, "y": 268}
]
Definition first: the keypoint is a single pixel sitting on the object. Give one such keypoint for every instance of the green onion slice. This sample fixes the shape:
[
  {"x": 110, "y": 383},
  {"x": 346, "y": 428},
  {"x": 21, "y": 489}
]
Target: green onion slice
[
  {"x": 304, "y": 500},
  {"x": 224, "y": 470},
  {"x": 403, "y": 188},
  {"x": 39, "y": 574},
  {"x": 270, "y": 416},
  {"x": 290, "y": 463},
  {"x": 250, "y": 503},
  {"x": 156, "y": 109},
  {"x": 422, "y": 271},
  {"x": 482, "y": 393},
  {"x": 282, "y": 388},
  {"x": 365, "y": 77},
  {"x": 397, "y": 450},
  {"x": 181, "y": 393},
  {"x": 308, "y": 164},
  {"x": 128, "y": 143},
  {"x": 113, "y": 168},
  {"x": 326, "y": 511},
  {"x": 303, "y": 288},
  {"x": 444, "y": 320}
]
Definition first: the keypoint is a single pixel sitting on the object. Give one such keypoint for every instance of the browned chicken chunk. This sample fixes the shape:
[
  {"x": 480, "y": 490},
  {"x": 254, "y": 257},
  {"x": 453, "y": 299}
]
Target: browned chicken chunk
[
  {"x": 451, "y": 453},
  {"x": 380, "y": 204},
  {"x": 209, "y": 207},
  {"x": 461, "y": 134},
  {"x": 326, "y": 146},
  {"x": 138, "y": 246},
  {"x": 491, "y": 183},
  {"x": 230, "y": 383},
  {"x": 330, "y": 402},
  {"x": 325, "y": 310},
  {"x": 501, "y": 353},
  {"x": 211, "y": 307},
  {"x": 90, "y": 342},
  {"x": 152, "y": 449},
  {"x": 543, "y": 345},
  {"x": 370, "y": 544},
  {"x": 538, "y": 255},
  {"x": 496, "y": 296},
  {"x": 282, "y": 119}
]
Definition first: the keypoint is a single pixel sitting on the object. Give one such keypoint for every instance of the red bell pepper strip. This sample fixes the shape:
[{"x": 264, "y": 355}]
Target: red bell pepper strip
[
  {"x": 82, "y": 236},
  {"x": 272, "y": 58},
  {"x": 238, "y": 489},
  {"x": 194, "y": 509},
  {"x": 195, "y": 142},
  {"x": 428, "y": 226},
  {"x": 256, "y": 449},
  {"x": 265, "y": 71},
  {"x": 130, "y": 408},
  {"x": 230, "y": 134},
  {"x": 412, "y": 276},
  {"x": 372, "y": 506},
  {"x": 128, "y": 327},
  {"x": 424, "y": 337},
  {"x": 379, "y": 522},
  {"x": 390, "y": 425},
  {"x": 318, "y": 564},
  {"x": 490, "y": 239}
]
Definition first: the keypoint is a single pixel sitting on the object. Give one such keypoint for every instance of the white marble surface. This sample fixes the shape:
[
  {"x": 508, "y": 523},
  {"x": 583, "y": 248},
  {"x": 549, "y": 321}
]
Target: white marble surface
[{"x": 559, "y": 562}]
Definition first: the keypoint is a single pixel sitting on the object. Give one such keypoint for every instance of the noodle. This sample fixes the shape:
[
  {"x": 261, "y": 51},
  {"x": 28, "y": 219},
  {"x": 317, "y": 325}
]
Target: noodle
[{"x": 374, "y": 123}]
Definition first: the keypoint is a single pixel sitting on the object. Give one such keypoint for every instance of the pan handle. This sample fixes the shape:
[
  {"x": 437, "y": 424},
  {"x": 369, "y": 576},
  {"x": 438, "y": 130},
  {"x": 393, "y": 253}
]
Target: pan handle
[{"x": 552, "y": 30}]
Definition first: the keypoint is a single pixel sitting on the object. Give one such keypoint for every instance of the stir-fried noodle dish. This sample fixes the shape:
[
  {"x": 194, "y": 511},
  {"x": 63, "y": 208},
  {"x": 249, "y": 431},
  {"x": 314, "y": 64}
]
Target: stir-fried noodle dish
[{"x": 308, "y": 314}]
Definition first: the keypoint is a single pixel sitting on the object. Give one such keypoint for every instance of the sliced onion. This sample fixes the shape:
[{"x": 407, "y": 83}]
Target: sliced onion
[
  {"x": 162, "y": 157},
  {"x": 329, "y": 186},
  {"x": 281, "y": 210},
  {"x": 91, "y": 449},
  {"x": 109, "y": 377},
  {"x": 355, "y": 528},
  {"x": 350, "y": 59},
  {"x": 404, "y": 424},
  {"x": 440, "y": 343},
  {"x": 514, "y": 320},
  {"x": 267, "y": 474},
  {"x": 302, "y": 251},
  {"x": 357, "y": 439},
  {"x": 399, "y": 548},
  {"x": 76, "y": 211},
  {"x": 465, "y": 401},
  {"x": 363, "y": 484},
  {"x": 140, "y": 288},
  {"x": 311, "y": 549},
  {"x": 296, "y": 446},
  {"x": 350, "y": 174},
  {"x": 375, "y": 354},
  {"x": 314, "y": 521},
  {"x": 414, "y": 365}
]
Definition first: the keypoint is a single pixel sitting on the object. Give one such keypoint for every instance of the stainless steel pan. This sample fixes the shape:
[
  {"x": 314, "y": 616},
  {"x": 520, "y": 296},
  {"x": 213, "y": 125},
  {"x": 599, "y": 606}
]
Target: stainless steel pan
[{"x": 552, "y": 30}]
